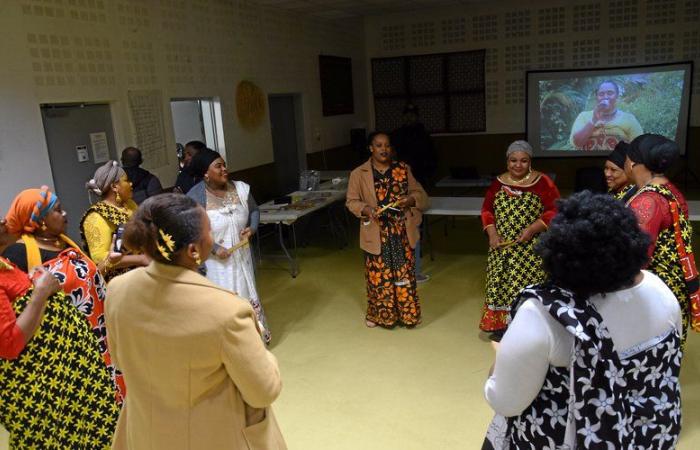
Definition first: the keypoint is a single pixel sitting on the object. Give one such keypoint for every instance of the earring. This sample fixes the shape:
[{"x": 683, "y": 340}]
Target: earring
[
  {"x": 118, "y": 198},
  {"x": 43, "y": 226},
  {"x": 197, "y": 259}
]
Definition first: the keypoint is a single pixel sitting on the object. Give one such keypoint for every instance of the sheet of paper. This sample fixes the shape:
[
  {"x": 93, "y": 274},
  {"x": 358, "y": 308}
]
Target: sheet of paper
[{"x": 100, "y": 147}]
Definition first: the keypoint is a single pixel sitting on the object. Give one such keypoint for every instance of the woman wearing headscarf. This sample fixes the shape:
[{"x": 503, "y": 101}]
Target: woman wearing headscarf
[
  {"x": 199, "y": 375},
  {"x": 389, "y": 201},
  {"x": 619, "y": 186},
  {"x": 234, "y": 217},
  {"x": 518, "y": 206},
  {"x": 37, "y": 216},
  {"x": 55, "y": 389},
  {"x": 662, "y": 213},
  {"x": 103, "y": 222},
  {"x": 592, "y": 357}
]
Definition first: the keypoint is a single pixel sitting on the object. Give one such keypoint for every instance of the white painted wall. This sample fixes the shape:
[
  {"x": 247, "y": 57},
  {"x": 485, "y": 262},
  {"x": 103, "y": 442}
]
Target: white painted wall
[
  {"x": 99, "y": 50},
  {"x": 529, "y": 35}
]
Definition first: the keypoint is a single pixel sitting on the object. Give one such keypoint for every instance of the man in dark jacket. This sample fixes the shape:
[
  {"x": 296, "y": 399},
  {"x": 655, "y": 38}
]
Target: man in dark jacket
[
  {"x": 143, "y": 182},
  {"x": 185, "y": 179},
  {"x": 414, "y": 146}
]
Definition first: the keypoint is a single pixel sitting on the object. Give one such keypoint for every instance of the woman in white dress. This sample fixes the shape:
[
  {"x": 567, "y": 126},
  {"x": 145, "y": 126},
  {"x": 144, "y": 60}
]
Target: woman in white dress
[{"x": 234, "y": 217}]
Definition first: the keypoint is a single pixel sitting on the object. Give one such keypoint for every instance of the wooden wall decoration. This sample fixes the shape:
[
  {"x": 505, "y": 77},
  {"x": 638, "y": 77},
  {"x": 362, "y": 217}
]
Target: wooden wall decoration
[{"x": 250, "y": 105}]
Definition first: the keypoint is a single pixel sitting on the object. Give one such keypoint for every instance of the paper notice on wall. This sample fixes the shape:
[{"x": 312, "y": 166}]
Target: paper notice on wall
[
  {"x": 147, "y": 117},
  {"x": 100, "y": 147}
]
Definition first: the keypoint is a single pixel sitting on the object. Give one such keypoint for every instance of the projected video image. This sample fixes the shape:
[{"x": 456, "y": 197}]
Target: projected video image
[{"x": 595, "y": 113}]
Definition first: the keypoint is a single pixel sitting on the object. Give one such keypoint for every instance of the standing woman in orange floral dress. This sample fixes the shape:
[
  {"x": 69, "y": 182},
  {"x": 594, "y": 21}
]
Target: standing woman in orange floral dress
[{"x": 389, "y": 201}]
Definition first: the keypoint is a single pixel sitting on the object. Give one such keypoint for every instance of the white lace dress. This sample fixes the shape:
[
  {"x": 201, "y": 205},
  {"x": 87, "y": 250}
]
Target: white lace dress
[{"x": 229, "y": 216}]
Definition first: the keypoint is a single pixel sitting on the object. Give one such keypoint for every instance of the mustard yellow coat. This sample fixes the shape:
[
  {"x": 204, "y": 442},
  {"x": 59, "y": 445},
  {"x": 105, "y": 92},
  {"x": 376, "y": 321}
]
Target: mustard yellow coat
[{"x": 197, "y": 373}]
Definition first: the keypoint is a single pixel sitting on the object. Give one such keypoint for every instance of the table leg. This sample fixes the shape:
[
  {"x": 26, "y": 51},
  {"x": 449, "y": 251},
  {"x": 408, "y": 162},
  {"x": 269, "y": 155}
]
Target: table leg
[{"x": 293, "y": 267}]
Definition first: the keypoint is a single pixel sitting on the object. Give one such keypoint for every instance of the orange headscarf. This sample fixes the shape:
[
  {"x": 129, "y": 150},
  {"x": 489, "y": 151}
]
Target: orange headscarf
[{"x": 28, "y": 210}]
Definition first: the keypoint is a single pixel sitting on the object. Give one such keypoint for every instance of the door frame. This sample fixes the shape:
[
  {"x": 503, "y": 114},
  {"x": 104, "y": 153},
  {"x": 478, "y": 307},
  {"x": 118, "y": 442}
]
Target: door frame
[
  {"x": 216, "y": 116},
  {"x": 297, "y": 99}
]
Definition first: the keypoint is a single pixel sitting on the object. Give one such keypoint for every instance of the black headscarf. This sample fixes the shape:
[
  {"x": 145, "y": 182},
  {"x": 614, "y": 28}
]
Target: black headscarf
[
  {"x": 618, "y": 155},
  {"x": 201, "y": 162},
  {"x": 656, "y": 152}
]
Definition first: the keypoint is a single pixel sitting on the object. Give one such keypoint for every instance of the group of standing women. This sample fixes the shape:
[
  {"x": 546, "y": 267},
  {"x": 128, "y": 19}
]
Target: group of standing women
[
  {"x": 583, "y": 324},
  {"x": 60, "y": 383}
]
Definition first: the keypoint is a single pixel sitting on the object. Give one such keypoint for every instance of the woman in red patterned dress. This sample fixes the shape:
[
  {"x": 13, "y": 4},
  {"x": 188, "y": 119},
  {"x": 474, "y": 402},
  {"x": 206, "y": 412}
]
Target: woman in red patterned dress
[
  {"x": 659, "y": 205},
  {"x": 518, "y": 206},
  {"x": 37, "y": 216}
]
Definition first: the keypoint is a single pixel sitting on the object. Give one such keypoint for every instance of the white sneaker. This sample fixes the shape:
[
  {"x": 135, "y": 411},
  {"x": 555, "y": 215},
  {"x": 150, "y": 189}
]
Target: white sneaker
[{"x": 422, "y": 278}]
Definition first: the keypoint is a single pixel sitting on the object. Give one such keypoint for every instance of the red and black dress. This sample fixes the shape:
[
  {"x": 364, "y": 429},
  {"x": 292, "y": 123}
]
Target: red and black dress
[
  {"x": 511, "y": 208},
  {"x": 651, "y": 205},
  {"x": 391, "y": 281}
]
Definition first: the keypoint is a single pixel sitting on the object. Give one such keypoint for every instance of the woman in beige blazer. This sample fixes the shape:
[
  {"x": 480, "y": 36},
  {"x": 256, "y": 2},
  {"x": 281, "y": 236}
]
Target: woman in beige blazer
[
  {"x": 389, "y": 201},
  {"x": 197, "y": 373}
]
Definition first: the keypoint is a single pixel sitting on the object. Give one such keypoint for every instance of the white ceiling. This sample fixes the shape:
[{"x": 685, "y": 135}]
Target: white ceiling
[{"x": 337, "y": 9}]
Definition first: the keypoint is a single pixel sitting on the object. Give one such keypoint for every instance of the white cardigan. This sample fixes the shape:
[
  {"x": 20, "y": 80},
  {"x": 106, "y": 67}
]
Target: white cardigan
[{"x": 535, "y": 340}]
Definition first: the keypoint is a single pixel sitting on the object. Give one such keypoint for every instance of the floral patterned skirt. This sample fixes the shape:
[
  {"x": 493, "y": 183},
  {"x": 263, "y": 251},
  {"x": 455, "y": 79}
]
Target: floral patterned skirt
[{"x": 391, "y": 280}]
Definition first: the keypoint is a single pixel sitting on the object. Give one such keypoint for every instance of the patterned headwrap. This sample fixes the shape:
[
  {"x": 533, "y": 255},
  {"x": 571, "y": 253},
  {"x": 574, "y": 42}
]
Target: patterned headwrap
[
  {"x": 28, "y": 210},
  {"x": 105, "y": 176},
  {"x": 519, "y": 146}
]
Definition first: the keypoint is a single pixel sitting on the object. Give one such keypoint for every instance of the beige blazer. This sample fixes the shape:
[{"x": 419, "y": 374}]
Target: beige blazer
[
  {"x": 197, "y": 373},
  {"x": 361, "y": 193}
]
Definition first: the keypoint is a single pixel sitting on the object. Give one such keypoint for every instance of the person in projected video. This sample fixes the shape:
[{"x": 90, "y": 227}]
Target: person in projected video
[{"x": 604, "y": 126}]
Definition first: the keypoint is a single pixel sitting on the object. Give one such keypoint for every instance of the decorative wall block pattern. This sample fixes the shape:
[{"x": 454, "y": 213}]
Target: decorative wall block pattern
[
  {"x": 691, "y": 11},
  {"x": 133, "y": 14},
  {"x": 551, "y": 20},
  {"x": 514, "y": 92},
  {"x": 586, "y": 17},
  {"x": 661, "y": 12},
  {"x": 139, "y": 62},
  {"x": 517, "y": 58},
  {"x": 485, "y": 28},
  {"x": 622, "y": 50},
  {"x": 454, "y": 31},
  {"x": 659, "y": 47},
  {"x": 393, "y": 37},
  {"x": 492, "y": 60},
  {"x": 518, "y": 24},
  {"x": 623, "y": 14},
  {"x": 82, "y": 10},
  {"x": 422, "y": 34},
  {"x": 551, "y": 55},
  {"x": 585, "y": 53},
  {"x": 60, "y": 60}
]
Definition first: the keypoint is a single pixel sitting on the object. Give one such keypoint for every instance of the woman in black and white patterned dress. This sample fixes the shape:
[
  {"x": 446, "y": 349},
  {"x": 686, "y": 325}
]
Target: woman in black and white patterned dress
[{"x": 592, "y": 357}]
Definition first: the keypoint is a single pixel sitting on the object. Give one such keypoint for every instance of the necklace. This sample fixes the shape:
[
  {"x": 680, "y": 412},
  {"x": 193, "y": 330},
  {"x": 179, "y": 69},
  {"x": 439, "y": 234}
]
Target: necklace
[
  {"x": 521, "y": 181},
  {"x": 56, "y": 242}
]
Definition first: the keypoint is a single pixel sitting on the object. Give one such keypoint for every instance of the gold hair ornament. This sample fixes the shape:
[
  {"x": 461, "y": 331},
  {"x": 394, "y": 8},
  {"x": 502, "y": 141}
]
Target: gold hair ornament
[{"x": 165, "y": 244}]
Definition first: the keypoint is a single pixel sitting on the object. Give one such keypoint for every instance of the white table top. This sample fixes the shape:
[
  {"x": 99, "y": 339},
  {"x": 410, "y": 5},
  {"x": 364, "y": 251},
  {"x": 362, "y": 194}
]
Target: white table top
[
  {"x": 471, "y": 206},
  {"x": 449, "y": 182},
  {"x": 455, "y": 206},
  {"x": 271, "y": 213}
]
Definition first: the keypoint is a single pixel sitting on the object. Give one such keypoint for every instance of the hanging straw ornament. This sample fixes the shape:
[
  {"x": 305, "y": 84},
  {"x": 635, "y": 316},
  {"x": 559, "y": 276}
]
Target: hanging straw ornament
[{"x": 250, "y": 105}]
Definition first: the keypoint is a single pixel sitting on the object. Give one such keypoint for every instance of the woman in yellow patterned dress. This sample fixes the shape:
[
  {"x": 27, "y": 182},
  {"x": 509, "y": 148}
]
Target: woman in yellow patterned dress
[
  {"x": 55, "y": 389},
  {"x": 389, "y": 202},
  {"x": 104, "y": 221},
  {"x": 517, "y": 207}
]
